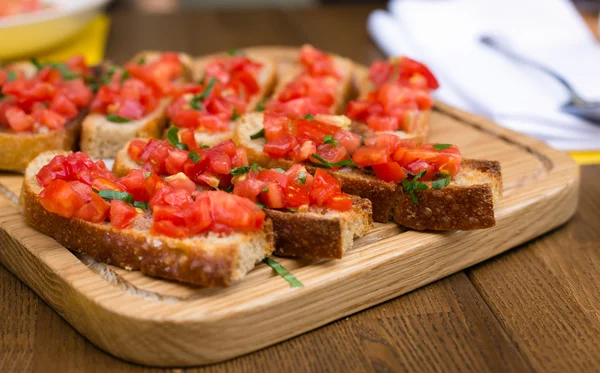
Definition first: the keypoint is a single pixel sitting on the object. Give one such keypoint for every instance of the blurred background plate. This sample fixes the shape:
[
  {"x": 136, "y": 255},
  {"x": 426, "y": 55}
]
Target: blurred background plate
[{"x": 27, "y": 34}]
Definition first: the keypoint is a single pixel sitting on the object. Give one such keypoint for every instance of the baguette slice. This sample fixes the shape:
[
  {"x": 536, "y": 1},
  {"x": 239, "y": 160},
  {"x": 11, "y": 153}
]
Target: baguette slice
[
  {"x": 466, "y": 204},
  {"x": 287, "y": 72},
  {"x": 203, "y": 260},
  {"x": 18, "y": 149},
  {"x": 316, "y": 233},
  {"x": 320, "y": 232},
  {"x": 101, "y": 138}
]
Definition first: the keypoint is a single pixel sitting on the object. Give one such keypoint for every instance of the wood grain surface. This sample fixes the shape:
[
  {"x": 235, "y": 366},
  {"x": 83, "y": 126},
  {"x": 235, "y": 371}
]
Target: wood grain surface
[{"x": 483, "y": 319}]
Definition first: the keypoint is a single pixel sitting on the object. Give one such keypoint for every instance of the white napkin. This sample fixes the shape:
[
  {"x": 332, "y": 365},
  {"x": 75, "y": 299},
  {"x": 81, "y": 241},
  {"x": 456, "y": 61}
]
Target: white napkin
[{"x": 445, "y": 35}]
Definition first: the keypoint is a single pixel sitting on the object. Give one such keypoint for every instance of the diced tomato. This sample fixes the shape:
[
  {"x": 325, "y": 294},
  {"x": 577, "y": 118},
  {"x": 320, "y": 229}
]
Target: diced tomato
[
  {"x": 281, "y": 146},
  {"x": 390, "y": 172},
  {"x": 63, "y": 106},
  {"x": 369, "y": 156},
  {"x": 18, "y": 120},
  {"x": 275, "y": 126},
  {"x": 350, "y": 141},
  {"x": 296, "y": 108},
  {"x": 181, "y": 181},
  {"x": 249, "y": 188},
  {"x": 303, "y": 152},
  {"x": 186, "y": 136},
  {"x": 316, "y": 62},
  {"x": 121, "y": 214},
  {"x": 403, "y": 69},
  {"x": 419, "y": 165},
  {"x": 220, "y": 162},
  {"x": 240, "y": 159},
  {"x": 234, "y": 213},
  {"x": 297, "y": 186},
  {"x": 324, "y": 187},
  {"x": 339, "y": 202},
  {"x": 167, "y": 196},
  {"x": 175, "y": 160},
  {"x": 60, "y": 198},
  {"x": 227, "y": 147},
  {"x": 272, "y": 196},
  {"x": 56, "y": 169},
  {"x": 198, "y": 215},
  {"x": 331, "y": 153},
  {"x": 167, "y": 228},
  {"x": 135, "y": 148},
  {"x": 388, "y": 141},
  {"x": 271, "y": 175},
  {"x": 380, "y": 123},
  {"x": 101, "y": 183}
]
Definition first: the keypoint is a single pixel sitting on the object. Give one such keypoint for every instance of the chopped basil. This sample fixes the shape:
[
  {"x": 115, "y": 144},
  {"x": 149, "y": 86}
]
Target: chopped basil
[
  {"x": 256, "y": 167},
  {"x": 117, "y": 118},
  {"x": 125, "y": 75},
  {"x": 265, "y": 190},
  {"x": 260, "y": 205},
  {"x": 278, "y": 268},
  {"x": 411, "y": 186},
  {"x": 235, "y": 114},
  {"x": 141, "y": 205},
  {"x": 174, "y": 139},
  {"x": 64, "y": 71},
  {"x": 302, "y": 178},
  {"x": 12, "y": 76},
  {"x": 235, "y": 52},
  {"x": 239, "y": 170},
  {"x": 142, "y": 60},
  {"x": 292, "y": 210},
  {"x": 195, "y": 103},
  {"x": 148, "y": 174},
  {"x": 261, "y": 105},
  {"x": 36, "y": 63},
  {"x": 326, "y": 164},
  {"x": 441, "y": 183},
  {"x": 258, "y": 135},
  {"x": 329, "y": 140},
  {"x": 114, "y": 194},
  {"x": 229, "y": 189},
  {"x": 280, "y": 170},
  {"x": 195, "y": 157},
  {"x": 439, "y": 147},
  {"x": 309, "y": 116}
]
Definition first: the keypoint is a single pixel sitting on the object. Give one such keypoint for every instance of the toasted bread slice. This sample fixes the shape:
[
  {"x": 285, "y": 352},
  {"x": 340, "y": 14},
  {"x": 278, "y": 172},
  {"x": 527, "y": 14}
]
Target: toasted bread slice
[
  {"x": 316, "y": 233},
  {"x": 287, "y": 72},
  {"x": 203, "y": 260},
  {"x": 101, "y": 138},
  {"x": 18, "y": 149},
  {"x": 320, "y": 232},
  {"x": 474, "y": 189}
]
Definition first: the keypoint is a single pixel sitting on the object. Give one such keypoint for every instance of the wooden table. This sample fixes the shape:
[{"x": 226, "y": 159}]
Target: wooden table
[{"x": 535, "y": 308}]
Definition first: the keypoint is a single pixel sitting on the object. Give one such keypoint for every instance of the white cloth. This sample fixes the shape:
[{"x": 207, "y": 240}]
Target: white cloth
[{"x": 445, "y": 34}]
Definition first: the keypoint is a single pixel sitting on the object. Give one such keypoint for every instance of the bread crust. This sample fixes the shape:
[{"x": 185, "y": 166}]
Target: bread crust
[
  {"x": 205, "y": 260},
  {"x": 319, "y": 234},
  {"x": 18, "y": 149}
]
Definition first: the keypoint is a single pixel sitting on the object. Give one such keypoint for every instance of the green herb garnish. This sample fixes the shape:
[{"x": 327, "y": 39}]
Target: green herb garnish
[
  {"x": 292, "y": 210},
  {"x": 326, "y": 164},
  {"x": 12, "y": 76},
  {"x": 411, "y": 186},
  {"x": 204, "y": 147},
  {"x": 195, "y": 157},
  {"x": 260, "y": 205},
  {"x": 258, "y": 135},
  {"x": 261, "y": 105},
  {"x": 142, "y": 60},
  {"x": 235, "y": 114},
  {"x": 265, "y": 190},
  {"x": 117, "y": 118},
  {"x": 302, "y": 178},
  {"x": 329, "y": 140},
  {"x": 114, "y": 194},
  {"x": 278, "y": 268},
  {"x": 174, "y": 139},
  {"x": 280, "y": 170},
  {"x": 309, "y": 117},
  {"x": 148, "y": 174},
  {"x": 141, "y": 205},
  {"x": 256, "y": 167},
  {"x": 441, "y": 183},
  {"x": 195, "y": 102},
  {"x": 36, "y": 63},
  {"x": 439, "y": 147},
  {"x": 124, "y": 76},
  {"x": 239, "y": 170},
  {"x": 235, "y": 52}
]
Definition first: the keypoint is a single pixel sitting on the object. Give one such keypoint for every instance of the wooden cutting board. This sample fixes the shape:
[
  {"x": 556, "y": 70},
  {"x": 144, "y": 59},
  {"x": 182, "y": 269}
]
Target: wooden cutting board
[{"x": 158, "y": 322}]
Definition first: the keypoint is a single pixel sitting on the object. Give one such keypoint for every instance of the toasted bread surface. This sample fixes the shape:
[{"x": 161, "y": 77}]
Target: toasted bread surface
[
  {"x": 203, "y": 260},
  {"x": 320, "y": 232},
  {"x": 18, "y": 149},
  {"x": 101, "y": 138}
]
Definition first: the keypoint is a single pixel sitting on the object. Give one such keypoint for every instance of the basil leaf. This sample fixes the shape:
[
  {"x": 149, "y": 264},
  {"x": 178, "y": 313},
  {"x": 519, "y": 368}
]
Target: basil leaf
[
  {"x": 172, "y": 135},
  {"x": 302, "y": 178},
  {"x": 204, "y": 147},
  {"x": 117, "y": 119},
  {"x": 235, "y": 114},
  {"x": 258, "y": 135},
  {"x": 309, "y": 117},
  {"x": 195, "y": 157},
  {"x": 36, "y": 63},
  {"x": 114, "y": 194},
  {"x": 326, "y": 164},
  {"x": 239, "y": 170},
  {"x": 12, "y": 76},
  {"x": 124, "y": 76},
  {"x": 439, "y": 147},
  {"x": 411, "y": 186},
  {"x": 280, "y": 170},
  {"x": 142, "y": 60},
  {"x": 148, "y": 174},
  {"x": 141, "y": 205},
  {"x": 441, "y": 183},
  {"x": 261, "y": 105},
  {"x": 292, "y": 210},
  {"x": 329, "y": 140},
  {"x": 281, "y": 271},
  {"x": 195, "y": 102},
  {"x": 256, "y": 167},
  {"x": 260, "y": 205},
  {"x": 265, "y": 190},
  {"x": 235, "y": 52}
]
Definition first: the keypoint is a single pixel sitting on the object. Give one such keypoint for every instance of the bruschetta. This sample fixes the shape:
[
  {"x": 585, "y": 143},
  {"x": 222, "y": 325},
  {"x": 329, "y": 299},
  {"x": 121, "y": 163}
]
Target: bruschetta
[
  {"x": 394, "y": 97},
  {"x": 421, "y": 187},
  {"x": 312, "y": 217},
  {"x": 132, "y": 102},
  {"x": 317, "y": 83},
  {"x": 142, "y": 222},
  {"x": 41, "y": 108}
]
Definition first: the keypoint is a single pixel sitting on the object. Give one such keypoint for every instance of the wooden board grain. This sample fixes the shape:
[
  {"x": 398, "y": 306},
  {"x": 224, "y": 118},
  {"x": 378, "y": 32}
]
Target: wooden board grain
[{"x": 158, "y": 322}]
